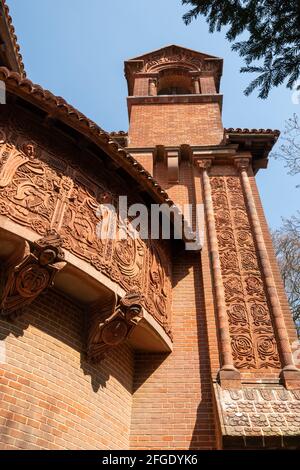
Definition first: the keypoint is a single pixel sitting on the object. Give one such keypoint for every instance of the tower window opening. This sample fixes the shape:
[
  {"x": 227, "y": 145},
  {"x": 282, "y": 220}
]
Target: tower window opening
[
  {"x": 174, "y": 82},
  {"x": 174, "y": 90}
]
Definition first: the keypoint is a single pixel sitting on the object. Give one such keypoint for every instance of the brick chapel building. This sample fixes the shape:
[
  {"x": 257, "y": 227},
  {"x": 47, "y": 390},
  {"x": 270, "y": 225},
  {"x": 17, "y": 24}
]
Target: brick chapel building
[{"x": 138, "y": 343}]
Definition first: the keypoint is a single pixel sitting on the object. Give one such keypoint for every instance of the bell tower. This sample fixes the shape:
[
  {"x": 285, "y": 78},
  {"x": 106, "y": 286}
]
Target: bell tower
[
  {"x": 174, "y": 98},
  {"x": 233, "y": 285}
]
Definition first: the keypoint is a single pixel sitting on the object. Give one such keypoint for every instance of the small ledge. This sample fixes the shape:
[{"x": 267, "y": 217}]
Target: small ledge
[{"x": 166, "y": 99}]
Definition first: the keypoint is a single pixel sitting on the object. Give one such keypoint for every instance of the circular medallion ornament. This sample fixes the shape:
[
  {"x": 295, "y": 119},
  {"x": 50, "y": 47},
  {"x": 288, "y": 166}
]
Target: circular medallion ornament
[
  {"x": 241, "y": 346},
  {"x": 115, "y": 332},
  {"x": 32, "y": 280},
  {"x": 266, "y": 346}
]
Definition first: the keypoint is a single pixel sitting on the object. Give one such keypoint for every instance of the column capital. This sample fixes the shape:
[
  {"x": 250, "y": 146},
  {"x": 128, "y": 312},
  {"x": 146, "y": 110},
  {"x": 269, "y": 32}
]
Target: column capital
[
  {"x": 152, "y": 86},
  {"x": 196, "y": 84},
  {"x": 242, "y": 163},
  {"x": 203, "y": 163}
]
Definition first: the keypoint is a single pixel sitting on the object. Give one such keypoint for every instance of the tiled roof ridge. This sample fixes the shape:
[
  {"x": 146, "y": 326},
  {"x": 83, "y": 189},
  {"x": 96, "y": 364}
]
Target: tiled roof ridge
[
  {"x": 13, "y": 38},
  {"x": 239, "y": 130}
]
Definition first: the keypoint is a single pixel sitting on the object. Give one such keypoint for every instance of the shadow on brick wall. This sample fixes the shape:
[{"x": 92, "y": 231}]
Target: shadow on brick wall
[{"x": 63, "y": 320}]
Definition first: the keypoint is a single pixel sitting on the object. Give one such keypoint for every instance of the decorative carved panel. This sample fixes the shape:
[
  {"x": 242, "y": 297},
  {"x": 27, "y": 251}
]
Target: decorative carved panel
[
  {"x": 170, "y": 56},
  {"x": 27, "y": 186},
  {"x": 252, "y": 335},
  {"x": 159, "y": 286},
  {"x": 48, "y": 184}
]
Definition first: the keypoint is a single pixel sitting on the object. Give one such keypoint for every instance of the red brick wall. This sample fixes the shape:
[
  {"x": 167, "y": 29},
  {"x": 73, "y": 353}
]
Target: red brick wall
[
  {"x": 208, "y": 86},
  {"x": 50, "y": 397},
  {"x": 175, "y": 124},
  {"x": 181, "y": 192},
  {"x": 172, "y": 401},
  {"x": 141, "y": 87}
]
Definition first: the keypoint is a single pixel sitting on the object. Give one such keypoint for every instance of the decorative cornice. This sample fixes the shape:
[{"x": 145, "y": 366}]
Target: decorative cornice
[
  {"x": 242, "y": 163},
  {"x": 169, "y": 57}
]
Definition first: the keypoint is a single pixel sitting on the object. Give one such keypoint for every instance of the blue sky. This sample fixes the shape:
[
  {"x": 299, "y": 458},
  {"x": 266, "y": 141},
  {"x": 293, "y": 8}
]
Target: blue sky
[{"x": 76, "y": 49}]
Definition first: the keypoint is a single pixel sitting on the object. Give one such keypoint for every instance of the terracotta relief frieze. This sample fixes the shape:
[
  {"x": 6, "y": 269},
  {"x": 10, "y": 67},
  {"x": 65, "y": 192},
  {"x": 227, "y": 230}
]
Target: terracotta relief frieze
[
  {"x": 43, "y": 190},
  {"x": 252, "y": 335},
  {"x": 26, "y": 186},
  {"x": 161, "y": 59}
]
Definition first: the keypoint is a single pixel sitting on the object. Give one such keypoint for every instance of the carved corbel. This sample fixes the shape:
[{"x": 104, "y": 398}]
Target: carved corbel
[
  {"x": 24, "y": 280},
  {"x": 104, "y": 334}
]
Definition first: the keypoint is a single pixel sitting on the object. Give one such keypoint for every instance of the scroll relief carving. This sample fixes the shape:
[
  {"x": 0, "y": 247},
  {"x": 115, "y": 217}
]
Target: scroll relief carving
[
  {"x": 110, "y": 324},
  {"x": 33, "y": 275},
  {"x": 159, "y": 287},
  {"x": 160, "y": 59},
  {"x": 42, "y": 191},
  {"x": 27, "y": 186},
  {"x": 252, "y": 335}
]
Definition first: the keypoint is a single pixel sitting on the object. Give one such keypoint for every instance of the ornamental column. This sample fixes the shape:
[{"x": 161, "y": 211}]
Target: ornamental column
[
  {"x": 289, "y": 373},
  {"x": 153, "y": 87},
  {"x": 229, "y": 376},
  {"x": 196, "y": 85}
]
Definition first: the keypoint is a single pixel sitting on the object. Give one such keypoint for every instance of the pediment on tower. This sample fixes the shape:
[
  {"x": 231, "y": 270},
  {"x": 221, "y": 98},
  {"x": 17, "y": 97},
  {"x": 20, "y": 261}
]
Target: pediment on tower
[{"x": 173, "y": 57}]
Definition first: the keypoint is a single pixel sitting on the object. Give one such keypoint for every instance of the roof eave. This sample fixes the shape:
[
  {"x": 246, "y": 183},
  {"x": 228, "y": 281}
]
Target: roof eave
[
  {"x": 10, "y": 49},
  {"x": 57, "y": 108}
]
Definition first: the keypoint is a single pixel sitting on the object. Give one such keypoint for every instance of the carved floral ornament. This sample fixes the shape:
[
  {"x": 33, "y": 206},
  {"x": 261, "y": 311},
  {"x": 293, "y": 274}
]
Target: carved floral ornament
[{"x": 45, "y": 192}]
